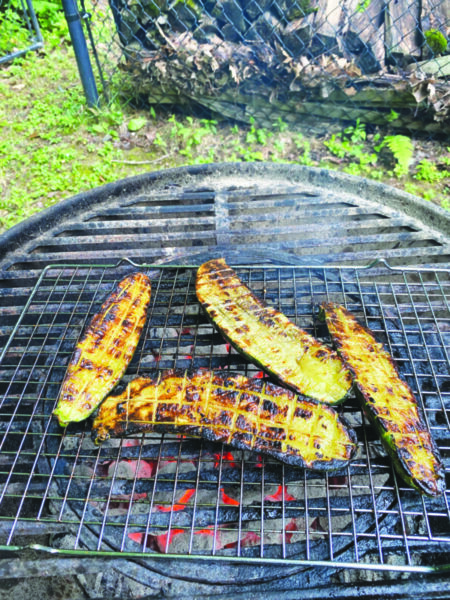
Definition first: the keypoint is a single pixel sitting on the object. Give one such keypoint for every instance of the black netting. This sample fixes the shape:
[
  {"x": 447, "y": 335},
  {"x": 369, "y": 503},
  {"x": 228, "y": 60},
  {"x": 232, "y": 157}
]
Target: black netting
[{"x": 384, "y": 63}]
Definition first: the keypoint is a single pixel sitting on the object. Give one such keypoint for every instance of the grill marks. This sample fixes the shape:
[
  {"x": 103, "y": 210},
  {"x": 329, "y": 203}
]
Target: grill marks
[
  {"x": 388, "y": 402},
  {"x": 249, "y": 414},
  {"x": 105, "y": 349},
  {"x": 268, "y": 338}
]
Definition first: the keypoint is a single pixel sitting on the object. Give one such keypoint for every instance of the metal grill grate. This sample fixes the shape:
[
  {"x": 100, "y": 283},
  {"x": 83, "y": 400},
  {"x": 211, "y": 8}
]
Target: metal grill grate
[{"x": 175, "y": 496}]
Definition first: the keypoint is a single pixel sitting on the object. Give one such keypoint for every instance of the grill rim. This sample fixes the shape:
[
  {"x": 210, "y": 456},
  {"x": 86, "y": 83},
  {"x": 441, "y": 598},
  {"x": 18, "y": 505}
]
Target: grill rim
[{"x": 430, "y": 214}]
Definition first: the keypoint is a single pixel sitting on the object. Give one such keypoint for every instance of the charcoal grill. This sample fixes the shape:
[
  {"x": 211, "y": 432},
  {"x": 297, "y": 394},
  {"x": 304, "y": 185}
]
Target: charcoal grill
[{"x": 177, "y": 514}]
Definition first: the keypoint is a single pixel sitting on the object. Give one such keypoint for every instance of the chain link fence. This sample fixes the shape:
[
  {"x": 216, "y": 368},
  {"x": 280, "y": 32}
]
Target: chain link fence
[
  {"x": 382, "y": 62},
  {"x": 19, "y": 29}
]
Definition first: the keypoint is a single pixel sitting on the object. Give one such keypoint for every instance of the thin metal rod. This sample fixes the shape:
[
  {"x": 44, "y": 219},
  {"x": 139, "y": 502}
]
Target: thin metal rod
[{"x": 80, "y": 48}]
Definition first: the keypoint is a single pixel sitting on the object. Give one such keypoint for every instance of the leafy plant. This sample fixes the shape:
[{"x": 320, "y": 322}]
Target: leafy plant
[
  {"x": 352, "y": 144},
  {"x": 363, "y": 5},
  {"x": 393, "y": 116},
  {"x": 402, "y": 149},
  {"x": 257, "y": 135},
  {"x": 304, "y": 147},
  {"x": 357, "y": 132},
  {"x": 429, "y": 172},
  {"x": 435, "y": 41}
]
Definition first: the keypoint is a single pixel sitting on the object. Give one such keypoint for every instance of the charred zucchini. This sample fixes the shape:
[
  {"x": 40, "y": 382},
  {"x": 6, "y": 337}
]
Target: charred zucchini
[
  {"x": 388, "y": 402},
  {"x": 267, "y": 337},
  {"x": 104, "y": 350},
  {"x": 249, "y": 414}
]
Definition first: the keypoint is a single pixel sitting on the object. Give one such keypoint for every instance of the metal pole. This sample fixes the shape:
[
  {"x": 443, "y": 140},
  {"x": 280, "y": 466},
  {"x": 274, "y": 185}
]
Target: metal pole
[{"x": 73, "y": 19}]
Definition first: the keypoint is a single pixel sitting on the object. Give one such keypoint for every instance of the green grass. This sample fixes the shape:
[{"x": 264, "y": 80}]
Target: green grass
[{"x": 52, "y": 146}]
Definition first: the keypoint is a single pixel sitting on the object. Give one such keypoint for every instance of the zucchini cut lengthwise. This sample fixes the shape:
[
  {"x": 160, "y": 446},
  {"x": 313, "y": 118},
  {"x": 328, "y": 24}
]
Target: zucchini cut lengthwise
[
  {"x": 388, "y": 402},
  {"x": 104, "y": 350},
  {"x": 248, "y": 414},
  {"x": 268, "y": 338}
]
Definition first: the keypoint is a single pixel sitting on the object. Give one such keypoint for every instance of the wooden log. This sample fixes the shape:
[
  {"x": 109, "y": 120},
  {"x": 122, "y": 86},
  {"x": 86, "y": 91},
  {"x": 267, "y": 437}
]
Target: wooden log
[
  {"x": 207, "y": 27},
  {"x": 438, "y": 66},
  {"x": 363, "y": 34},
  {"x": 297, "y": 113},
  {"x": 402, "y": 35},
  {"x": 290, "y": 10},
  {"x": 325, "y": 22},
  {"x": 183, "y": 16}
]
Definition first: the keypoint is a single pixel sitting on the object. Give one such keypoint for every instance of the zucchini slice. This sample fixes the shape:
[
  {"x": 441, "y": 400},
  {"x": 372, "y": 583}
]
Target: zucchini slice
[
  {"x": 268, "y": 338},
  {"x": 104, "y": 350},
  {"x": 388, "y": 402},
  {"x": 249, "y": 414}
]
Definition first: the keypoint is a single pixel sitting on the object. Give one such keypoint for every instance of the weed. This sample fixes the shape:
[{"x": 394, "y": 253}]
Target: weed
[
  {"x": 304, "y": 147},
  {"x": 356, "y": 133},
  {"x": 393, "y": 116},
  {"x": 429, "y": 194},
  {"x": 429, "y": 172},
  {"x": 257, "y": 135},
  {"x": 402, "y": 148},
  {"x": 352, "y": 144},
  {"x": 280, "y": 125}
]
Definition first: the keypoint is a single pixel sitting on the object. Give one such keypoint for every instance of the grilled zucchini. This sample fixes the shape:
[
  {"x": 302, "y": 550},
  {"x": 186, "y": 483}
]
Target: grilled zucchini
[
  {"x": 267, "y": 337},
  {"x": 249, "y": 414},
  {"x": 388, "y": 402},
  {"x": 104, "y": 350}
]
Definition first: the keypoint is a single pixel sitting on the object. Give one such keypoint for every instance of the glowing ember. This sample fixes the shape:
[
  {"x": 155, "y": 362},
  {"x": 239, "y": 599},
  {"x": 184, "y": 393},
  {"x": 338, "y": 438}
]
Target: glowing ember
[
  {"x": 227, "y": 500},
  {"x": 159, "y": 543},
  {"x": 180, "y": 505},
  {"x": 289, "y": 530},
  {"x": 130, "y": 442},
  {"x": 226, "y": 457},
  {"x": 156, "y": 355},
  {"x": 280, "y": 495},
  {"x": 260, "y": 461},
  {"x": 131, "y": 469}
]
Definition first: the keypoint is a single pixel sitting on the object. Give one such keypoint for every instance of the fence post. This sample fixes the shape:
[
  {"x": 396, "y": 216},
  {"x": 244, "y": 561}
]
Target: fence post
[{"x": 81, "y": 51}]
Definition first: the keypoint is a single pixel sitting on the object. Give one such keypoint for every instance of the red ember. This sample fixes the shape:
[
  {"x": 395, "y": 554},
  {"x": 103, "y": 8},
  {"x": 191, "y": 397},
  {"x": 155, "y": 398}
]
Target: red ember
[
  {"x": 180, "y": 505},
  {"x": 289, "y": 530},
  {"x": 279, "y": 494},
  {"x": 159, "y": 543},
  {"x": 226, "y": 457},
  {"x": 227, "y": 500}
]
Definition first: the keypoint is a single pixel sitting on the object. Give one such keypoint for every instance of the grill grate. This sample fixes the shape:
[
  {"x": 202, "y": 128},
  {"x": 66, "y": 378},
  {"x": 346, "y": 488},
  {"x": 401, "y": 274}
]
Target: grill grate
[{"x": 175, "y": 496}]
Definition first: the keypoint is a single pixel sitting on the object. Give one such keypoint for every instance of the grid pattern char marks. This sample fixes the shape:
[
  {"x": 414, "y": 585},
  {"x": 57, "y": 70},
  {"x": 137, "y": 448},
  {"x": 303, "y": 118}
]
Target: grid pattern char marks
[
  {"x": 188, "y": 497},
  {"x": 249, "y": 414}
]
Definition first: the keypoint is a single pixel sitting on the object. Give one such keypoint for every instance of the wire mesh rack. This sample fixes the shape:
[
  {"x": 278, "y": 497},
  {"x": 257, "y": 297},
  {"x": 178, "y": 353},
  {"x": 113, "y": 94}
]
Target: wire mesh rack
[{"x": 173, "y": 496}]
